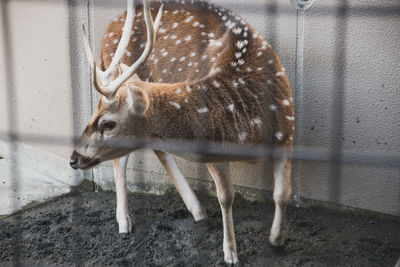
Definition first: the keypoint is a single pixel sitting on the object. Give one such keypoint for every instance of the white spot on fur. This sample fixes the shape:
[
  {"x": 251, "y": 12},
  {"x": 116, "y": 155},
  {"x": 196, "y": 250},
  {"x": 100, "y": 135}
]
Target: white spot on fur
[
  {"x": 279, "y": 135},
  {"x": 231, "y": 108},
  {"x": 237, "y": 30},
  {"x": 235, "y": 83},
  {"x": 175, "y": 24},
  {"x": 259, "y": 68},
  {"x": 290, "y": 118},
  {"x": 259, "y": 54},
  {"x": 175, "y": 104},
  {"x": 211, "y": 35},
  {"x": 270, "y": 61},
  {"x": 190, "y": 64},
  {"x": 164, "y": 71},
  {"x": 203, "y": 57},
  {"x": 182, "y": 59},
  {"x": 249, "y": 69},
  {"x": 110, "y": 34},
  {"x": 192, "y": 54},
  {"x": 172, "y": 59},
  {"x": 196, "y": 23},
  {"x": 272, "y": 107},
  {"x": 216, "y": 84},
  {"x": 180, "y": 69},
  {"x": 178, "y": 42},
  {"x": 188, "y": 38},
  {"x": 264, "y": 45},
  {"x": 256, "y": 121},
  {"x": 238, "y": 54},
  {"x": 179, "y": 91},
  {"x": 223, "y": 18},
  {"x": 164, "y": 54},
  {"x": 202, "y": 110},
  {"x": 188, "y": 88},
  {"x": 213, "y": 59},
  {"x": 128, "y": 53},
  {"x": 280, "y": 73},
  {"x": 269, "y": 82},
  {"x": 162, "y": 30},
  {"x": 242, "y": 136},
  {"x": 186, "y": 100},
  {"x": 187, "y": 20},
  {"x": 173, "y": 37},
  {"x": 240, "y": 44},
  {"x": 241, "y": 81},
  {"x": 230, "y": 24},
  {"x": 115, "y": 41},
  {"x": 175, "y": 12},
  {"x": 165, "y": 37},
  {"x": 286, "y": 102}
]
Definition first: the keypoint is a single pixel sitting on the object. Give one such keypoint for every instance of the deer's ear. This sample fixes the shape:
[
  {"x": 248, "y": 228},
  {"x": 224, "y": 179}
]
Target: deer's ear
[
  {"x": 134, "y": 78},
  {"x": 136, "y": 99}
]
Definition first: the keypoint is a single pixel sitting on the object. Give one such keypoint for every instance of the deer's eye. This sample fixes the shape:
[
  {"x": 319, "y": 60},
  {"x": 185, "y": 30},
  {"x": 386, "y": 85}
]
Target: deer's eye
[{"x": 108, "y": 125}]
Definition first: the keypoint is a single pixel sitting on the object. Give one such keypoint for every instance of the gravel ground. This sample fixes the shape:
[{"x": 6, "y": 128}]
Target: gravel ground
[{"x": 166, "y": 235}]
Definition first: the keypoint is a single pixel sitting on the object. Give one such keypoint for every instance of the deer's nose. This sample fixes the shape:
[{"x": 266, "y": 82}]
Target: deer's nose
[{"x": 74, "y": 160}]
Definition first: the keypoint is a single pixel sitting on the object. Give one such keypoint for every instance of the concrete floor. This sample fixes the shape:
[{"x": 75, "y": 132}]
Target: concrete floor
[{"x": 80, "y": 228}]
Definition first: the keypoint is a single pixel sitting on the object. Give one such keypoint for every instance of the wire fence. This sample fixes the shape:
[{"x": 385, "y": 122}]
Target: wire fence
[{"x": 335, "y": 154}]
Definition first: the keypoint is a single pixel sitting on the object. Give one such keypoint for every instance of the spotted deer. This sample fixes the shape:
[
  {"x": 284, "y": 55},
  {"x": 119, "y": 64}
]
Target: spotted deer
[{"x": 198, "y": 73}]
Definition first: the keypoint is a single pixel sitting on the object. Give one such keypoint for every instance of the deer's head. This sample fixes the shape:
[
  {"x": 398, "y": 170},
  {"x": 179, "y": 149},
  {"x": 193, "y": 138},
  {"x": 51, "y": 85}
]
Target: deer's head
[{"x": 122, "y": 103}]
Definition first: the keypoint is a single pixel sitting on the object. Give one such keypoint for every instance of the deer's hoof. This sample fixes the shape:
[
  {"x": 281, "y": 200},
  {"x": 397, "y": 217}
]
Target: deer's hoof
[
  {"x": 124, "y": 225},
  {"x": 277, "y": 241},
  {"x": 200, "y": 214},
  {"x": 231, "y": 258},
  {"x": 230, "y": 255}
]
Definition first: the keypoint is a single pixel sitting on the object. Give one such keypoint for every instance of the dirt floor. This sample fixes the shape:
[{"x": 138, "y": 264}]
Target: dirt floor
[{"x": 80, "y": 229}]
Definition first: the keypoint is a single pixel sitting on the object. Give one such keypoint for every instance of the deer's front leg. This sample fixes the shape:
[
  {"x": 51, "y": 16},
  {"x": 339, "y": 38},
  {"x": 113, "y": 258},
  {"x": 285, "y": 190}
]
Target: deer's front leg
[
  {"x": 124, "y": 222},
  {"x": 225, "y": 196},
  {"x": 184, "y": 189},
  {"x": 281, "y": 199}
]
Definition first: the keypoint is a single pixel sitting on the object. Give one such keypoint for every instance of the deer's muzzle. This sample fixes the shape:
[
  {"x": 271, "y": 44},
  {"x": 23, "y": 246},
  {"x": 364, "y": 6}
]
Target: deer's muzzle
[{"x": 79, "y": 161}]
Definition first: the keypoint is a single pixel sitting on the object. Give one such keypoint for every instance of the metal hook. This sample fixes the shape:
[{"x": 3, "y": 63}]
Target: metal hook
[{"x": 302, "y": 4}]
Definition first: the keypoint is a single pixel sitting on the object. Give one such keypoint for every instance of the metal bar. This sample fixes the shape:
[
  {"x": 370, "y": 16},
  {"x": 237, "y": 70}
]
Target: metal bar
[
  {"x": 301, "y": 153},
  {"x": 298, "y": 99},
  {"x": 73, "y": 27},
  {"x": 337, "y": 125},
  {"x": 12, "y": 109}
]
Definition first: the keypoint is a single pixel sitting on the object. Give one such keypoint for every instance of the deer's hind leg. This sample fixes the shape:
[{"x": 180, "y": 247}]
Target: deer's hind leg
[
  {"x": 225, "y": 194},
  {"x": 183, "y": 187},
  {"x": 281, "y": 168}
]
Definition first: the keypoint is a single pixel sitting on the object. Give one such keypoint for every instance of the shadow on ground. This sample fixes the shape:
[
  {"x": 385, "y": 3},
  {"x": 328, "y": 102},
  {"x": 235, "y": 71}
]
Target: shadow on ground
[{"x": 80, "y": 229}]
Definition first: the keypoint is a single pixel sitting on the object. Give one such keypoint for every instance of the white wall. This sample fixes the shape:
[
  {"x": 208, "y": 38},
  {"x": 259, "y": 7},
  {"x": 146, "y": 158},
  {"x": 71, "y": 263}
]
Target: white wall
[{"x": 44, "y": 85}]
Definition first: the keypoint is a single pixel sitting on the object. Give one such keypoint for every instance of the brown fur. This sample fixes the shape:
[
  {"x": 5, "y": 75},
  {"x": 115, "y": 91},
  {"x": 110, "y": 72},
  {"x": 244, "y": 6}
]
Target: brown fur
[{"x": 257, "y": 84}]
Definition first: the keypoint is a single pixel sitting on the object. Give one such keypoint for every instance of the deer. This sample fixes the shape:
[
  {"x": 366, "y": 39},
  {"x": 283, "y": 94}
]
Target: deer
[{"x": 197, "y": 73}]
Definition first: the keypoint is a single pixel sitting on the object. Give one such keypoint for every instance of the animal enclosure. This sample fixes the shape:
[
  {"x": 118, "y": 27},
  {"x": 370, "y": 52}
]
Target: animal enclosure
[{"x": 341, "y": 61}]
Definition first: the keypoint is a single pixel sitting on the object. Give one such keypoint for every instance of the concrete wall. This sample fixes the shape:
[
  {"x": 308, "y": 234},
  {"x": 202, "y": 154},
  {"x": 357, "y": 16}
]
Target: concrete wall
[{"x": 354, "y": 55}]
